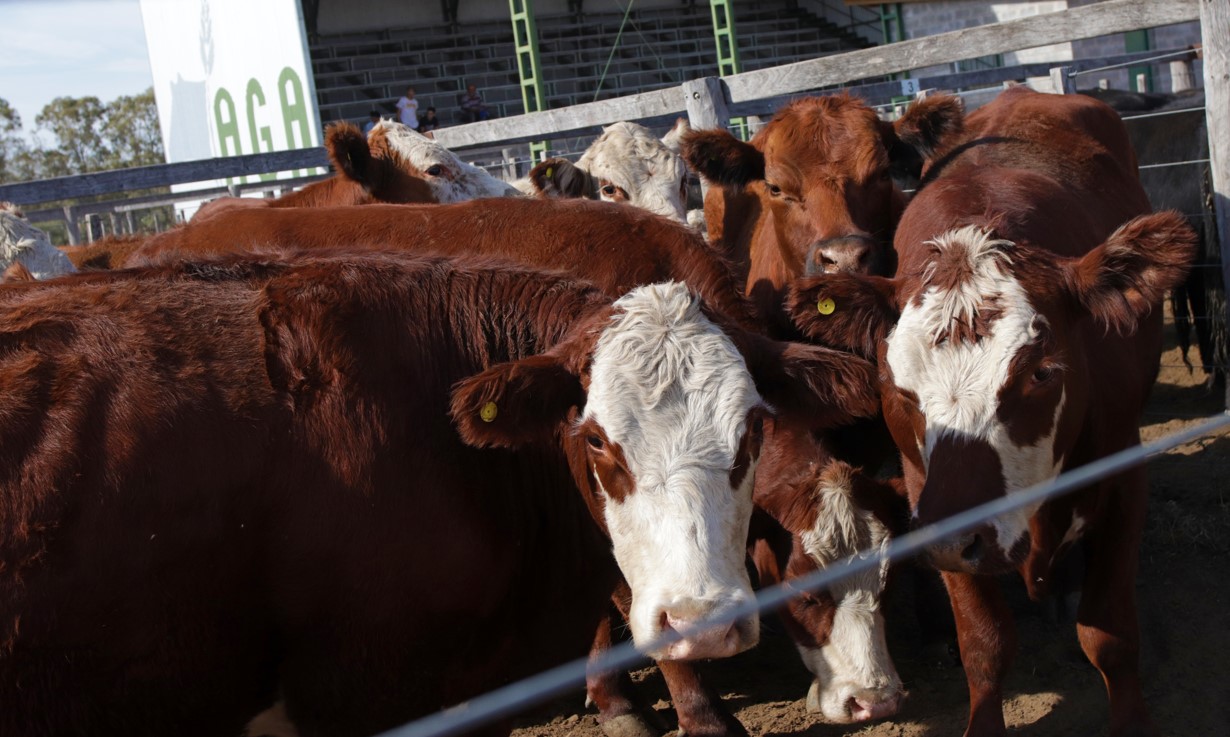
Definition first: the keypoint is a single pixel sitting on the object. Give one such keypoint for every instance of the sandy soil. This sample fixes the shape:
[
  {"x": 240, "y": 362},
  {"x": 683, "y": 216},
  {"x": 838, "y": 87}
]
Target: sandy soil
[{"x": 1184, "y": 591}]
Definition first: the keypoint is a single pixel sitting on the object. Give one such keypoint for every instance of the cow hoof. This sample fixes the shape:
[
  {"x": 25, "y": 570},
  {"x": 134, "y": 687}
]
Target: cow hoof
[{"x": 629, "y": 725}]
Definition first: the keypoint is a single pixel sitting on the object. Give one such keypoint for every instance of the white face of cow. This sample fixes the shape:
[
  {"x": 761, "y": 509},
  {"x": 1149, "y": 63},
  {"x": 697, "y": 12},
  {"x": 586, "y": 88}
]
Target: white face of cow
[
  {"x": 971, "y": 338},
  {"x": 631, "y": 166},
  {"x": 22, "y": 242},
  {"x": 672, "y": 425},
  {"x": 855, "y": 677},
  {"x": 450, "y": 178}
]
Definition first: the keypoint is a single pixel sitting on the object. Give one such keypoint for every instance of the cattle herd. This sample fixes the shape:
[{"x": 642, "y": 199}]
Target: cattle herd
[{"x": 324, "y": 464}]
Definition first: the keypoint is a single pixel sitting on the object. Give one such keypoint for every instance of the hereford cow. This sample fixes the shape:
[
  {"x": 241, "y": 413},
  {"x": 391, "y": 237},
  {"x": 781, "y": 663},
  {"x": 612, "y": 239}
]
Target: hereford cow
[
  {"x": 625, "y": 164},
  {"x": 450, "y": 178},
  {"x": 359, "y": 552},
  {"x": 1019, "y": 339},
  {"x": 813, "y": 186},
  {"x": 21, "y": 242},
  {"x": 616, "y": 248},
  {"x": 364, "y": 174}
]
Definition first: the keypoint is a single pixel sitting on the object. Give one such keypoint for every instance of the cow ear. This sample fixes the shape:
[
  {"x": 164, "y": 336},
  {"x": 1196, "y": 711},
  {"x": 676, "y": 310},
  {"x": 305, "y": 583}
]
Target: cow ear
[
  {"x": 721, "y": 158},
  {"x": 928, "y": 123},
  {"x": 817, "y": 385},
  {"x": 516, "y": 403},
  {"x": 561, "y": 178},
  {"x": 846, "y": 311},
  {"x": 16, "y": 272},
  {"x": 1122, "y": 280},
  {"x": 673, "y": 140},
  {"x": 349, "y": 152}
]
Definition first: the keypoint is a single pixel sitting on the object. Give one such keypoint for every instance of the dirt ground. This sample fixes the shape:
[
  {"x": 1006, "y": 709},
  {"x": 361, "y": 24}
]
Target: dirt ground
[{"x": 1184, "y": 592}]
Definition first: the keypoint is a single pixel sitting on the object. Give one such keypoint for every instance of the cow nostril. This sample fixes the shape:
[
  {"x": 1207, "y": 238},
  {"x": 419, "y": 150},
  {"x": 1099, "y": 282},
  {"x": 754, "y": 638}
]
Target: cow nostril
[{"x": 972, "y": 553}]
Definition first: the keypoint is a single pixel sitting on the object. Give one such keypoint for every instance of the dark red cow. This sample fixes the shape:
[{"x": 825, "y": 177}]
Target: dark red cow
[
  {"x": 617, "y": 248},
  {"x": 1019, "y": 339},
  {"x": 364, "y": 175},
  {"x": 227, "y": 481},
  {"x": 814, "y": 186}
]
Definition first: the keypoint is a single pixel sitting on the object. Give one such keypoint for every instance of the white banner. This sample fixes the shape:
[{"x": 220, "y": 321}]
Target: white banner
[{"x": 231, "y": 77}]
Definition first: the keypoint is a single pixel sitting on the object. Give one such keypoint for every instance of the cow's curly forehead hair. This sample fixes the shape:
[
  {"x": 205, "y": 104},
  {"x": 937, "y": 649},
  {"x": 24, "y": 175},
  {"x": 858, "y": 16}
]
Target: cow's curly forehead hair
[{"x": 836, "y": 127}]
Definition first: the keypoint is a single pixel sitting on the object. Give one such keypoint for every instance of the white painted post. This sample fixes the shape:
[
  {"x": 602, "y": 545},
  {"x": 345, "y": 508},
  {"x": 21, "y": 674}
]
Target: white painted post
[
  {"x": 705, "y": 101},
  {"x": 1181, "y": 76},
  {"x": 1214, "y": 24},
  {"x": 1062, "y": 81},
  {"x": 70, "y": 223}
]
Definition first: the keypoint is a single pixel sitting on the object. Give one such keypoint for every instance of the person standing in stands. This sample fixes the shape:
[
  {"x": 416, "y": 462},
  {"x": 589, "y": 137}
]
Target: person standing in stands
[
  {"x": 408, "y": 109},
  {"x": 473, "y": 109}
]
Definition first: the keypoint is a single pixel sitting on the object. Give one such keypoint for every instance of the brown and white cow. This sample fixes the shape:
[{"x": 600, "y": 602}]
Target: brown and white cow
[
  {"x": 616, "y": 248},
  {"x": 372, "y": 483},
  {"x": 365, "y": 174},
  {"x": 814, "y": 186},
  {"x": 450, "y": 178},
  {"x": 22, "y": 243},
  {"x": 1019, "y": 339},
  {"x": 625, "y": 164}
]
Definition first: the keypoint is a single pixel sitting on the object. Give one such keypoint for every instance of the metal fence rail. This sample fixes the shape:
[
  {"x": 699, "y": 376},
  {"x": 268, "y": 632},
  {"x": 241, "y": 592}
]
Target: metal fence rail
[{"x": 517, "y": 697}]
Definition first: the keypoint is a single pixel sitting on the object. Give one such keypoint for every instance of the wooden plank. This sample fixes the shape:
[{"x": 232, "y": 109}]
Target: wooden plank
[
  {"x": 706, "y": 103},
  {"x": 1214, "y": 22},
  {"x": 533, "y": 126},
  {"x": 161, "y": 175},
  {"x": 1112, "y": 16},
  {"x": 1062, "y": 81}
]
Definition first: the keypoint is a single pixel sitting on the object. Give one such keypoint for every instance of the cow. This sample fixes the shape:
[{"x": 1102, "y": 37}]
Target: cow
[
  {"x": 624, "y": 164},
  {"x": 450, "y": 178},
  {"x": 21, "y": 242},
  {"x": 1018, "y": 339},
  {"x": 364, "y": 174},
  {"x": 369, "y": 483},
  {"x": 617, "y": 248},
  {"x": 814, "y": 186},
  {"x": 108, "y": 252}
]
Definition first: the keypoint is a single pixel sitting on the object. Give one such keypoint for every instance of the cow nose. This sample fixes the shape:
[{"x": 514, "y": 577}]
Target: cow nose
[
  {"x": 721, "y": 641},
  {"x": 873, "y": 705},
  {"x": 963, "y": 553},
  {"x": 851, "y": 253}
]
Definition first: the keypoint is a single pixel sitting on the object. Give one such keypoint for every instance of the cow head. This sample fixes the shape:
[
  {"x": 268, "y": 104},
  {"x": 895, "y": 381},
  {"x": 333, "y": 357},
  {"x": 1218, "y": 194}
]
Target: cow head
[
  {"x": 659, "y": 410},
  {"x": 386, "y": 178},
  {"x": 625, "y": 164},
  {"x": 824, "y": 168},
  {"x": 450, "y": 178},
  {"x": 983, "y": 357},
  {"x": 831, "y": 512}
]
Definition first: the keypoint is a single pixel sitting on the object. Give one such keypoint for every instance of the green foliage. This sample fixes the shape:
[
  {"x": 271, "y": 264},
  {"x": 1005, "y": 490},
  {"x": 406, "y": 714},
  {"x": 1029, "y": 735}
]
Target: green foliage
[{"x": 81, "y": 135}]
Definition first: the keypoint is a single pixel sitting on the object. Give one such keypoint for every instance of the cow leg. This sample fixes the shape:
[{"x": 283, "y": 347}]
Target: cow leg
[
  {"x": 986, "y": 634},
  {"x": 618, "y": 714},
  {"x": 700, "y": 710},
  {"x": 1106, "y": 621}
]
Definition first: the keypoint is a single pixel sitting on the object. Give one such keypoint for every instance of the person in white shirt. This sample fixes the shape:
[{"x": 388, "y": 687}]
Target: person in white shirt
[{"x": 408, "y": 109}]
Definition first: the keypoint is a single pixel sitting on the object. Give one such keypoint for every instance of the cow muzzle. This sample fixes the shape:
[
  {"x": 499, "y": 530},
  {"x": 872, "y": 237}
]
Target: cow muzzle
[
  {"x": 854, "y": 254},
  {"x": 704, "y": 642},
  {"x": 978, "y": 552},
  {"x": 861, "y": 706}
]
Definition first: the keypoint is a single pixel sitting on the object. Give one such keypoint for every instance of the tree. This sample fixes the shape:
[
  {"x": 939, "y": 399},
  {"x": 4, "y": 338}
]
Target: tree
[
  {"x": 77, "y": 126},
  {"x": 131, "y": 130},
  {"x": 14, "y": 153}
]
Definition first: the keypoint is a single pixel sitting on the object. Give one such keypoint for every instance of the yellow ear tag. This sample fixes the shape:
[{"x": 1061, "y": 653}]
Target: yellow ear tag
[
  {"x": 826, "y": 306},
  {"x": 488, "y": 412},
  {"x": 550, "y": 171}
]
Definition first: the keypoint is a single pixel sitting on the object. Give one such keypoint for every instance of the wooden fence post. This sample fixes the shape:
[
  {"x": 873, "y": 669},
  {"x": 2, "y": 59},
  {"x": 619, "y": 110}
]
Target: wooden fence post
[
  {"x": 1062, "y": 80},
  {"x": 70, "y": 222},
  {"x": 1214, "y": 20},
  {"x": 705, "y": 100}
]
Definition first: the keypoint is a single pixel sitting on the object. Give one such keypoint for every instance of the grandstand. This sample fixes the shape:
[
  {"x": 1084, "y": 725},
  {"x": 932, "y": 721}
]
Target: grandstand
[{"x": 659, "y": 47}]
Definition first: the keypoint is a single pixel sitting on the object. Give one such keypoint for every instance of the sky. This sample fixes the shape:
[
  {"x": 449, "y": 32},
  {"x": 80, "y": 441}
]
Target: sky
[{"x": 74, "y": 48}]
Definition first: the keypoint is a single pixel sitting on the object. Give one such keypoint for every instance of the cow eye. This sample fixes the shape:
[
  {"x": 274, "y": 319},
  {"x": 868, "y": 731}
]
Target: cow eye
[
  {"x": 1043, "y": 374},
  {"x": 595, "y": 442},
  {"x": 608, "y": 190},
  {"x": 774, "y": 190},
  {"x": 435, "y": 170}
]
